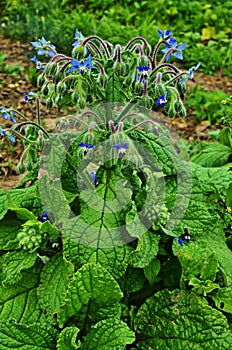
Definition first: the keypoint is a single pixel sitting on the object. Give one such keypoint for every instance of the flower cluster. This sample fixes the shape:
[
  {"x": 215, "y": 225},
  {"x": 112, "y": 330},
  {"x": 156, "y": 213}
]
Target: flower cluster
[{"x": 147, "y": 81}]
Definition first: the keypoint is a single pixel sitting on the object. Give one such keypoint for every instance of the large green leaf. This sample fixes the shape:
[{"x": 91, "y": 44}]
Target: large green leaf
[
  {"x": 93, "y": 295},
  {"x": 114, "y": 259},
  {"x": 181, "y": 320},
  {"x": 14, "y": 262},
  {"x": 25, "y": 198},
  {"x": 222, "y": 298},
  {"x": 67, "y": 339},
  {"x": 197, "y": 259},
  {"x": 101, "y": 223},
  {"x": 20, "y": 301},
  {"x": 9, "y": 228},
  {"x": 146, "y": 250},
  {"x": 108, "y": 335},
  {"x": 212, "y": 179},
  {"x": 36, "y": 336},
  {"x": 213, "y": 154},
  {"x": 54, "y": 284}
]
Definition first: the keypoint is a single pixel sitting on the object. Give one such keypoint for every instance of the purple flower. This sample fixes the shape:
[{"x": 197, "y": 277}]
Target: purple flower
[
  {"x": 81, "y": 67},
  {"x": 161, "y": 101},
  {"x": 143, "y": 69}
]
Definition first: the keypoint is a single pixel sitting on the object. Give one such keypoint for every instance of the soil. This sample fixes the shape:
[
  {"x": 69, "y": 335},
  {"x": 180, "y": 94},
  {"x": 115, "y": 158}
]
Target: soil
[{"x": 12, "y": 88}]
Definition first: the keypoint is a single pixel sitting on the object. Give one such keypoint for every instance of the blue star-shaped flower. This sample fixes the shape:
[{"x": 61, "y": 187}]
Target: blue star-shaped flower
[
  {"x": 38, "y": 63},
  {"x": 2, "y": 132},
  {"x": 121, "y": 149},
  {"x": 164, "y": 34},
  {"x": 86, "y": 146},
  {"x": 176, "y": 49},
  {"x": 161, "y": 101},
  {"x": 81, "y": 67},
  {"x": 39, "y": 45},
  {"x": 44, "y": 216},
  {"x": 79, "y": 38},
  {"x": 179, "y": 241},
  {"x": 191, "y": 73}
]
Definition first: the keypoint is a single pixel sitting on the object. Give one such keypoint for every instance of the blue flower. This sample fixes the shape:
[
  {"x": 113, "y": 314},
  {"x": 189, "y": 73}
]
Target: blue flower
[
  {"x": 38, "y": 63},
  {"x": 86, "y": 146},
  {"x": 81, "y": 66},
  {"x": 11, "y": 138},
  {"x": 2, "y": 132},
  {"x": 179, "y": 241},
  {"x": 164, "y": 34},
  {"x": 93, "y": 177},
  {"x": 161, "y": 101},
  {"x": 6, "y": 115},
  {"x": 39, "y": 45},
  {"x": 143, "y": 73},
  {"x": 121, "y": 149},
  {"x": 143, "y": 69},
  {"x": 12, "y": 118},
  {"x": 191, "y": 73},
  {"x": 29, "y": 96},
  {"x": 44, "y": 217},
  {"x": 79, "y": 36},
  {"x": 176, "y": 49}
]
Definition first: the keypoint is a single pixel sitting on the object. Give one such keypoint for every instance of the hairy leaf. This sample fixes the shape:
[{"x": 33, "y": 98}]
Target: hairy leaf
[
  {"x": 67, "y": 339},
  {"x": 107, "y": 335},
  {"x": 20, "y": 301},
  {"x": 93, "y": 294},
  {"x": 181, "y": 320},
  {"x": 36, "y": 336},
  {"x": 14, "y": 262},
  {"x": 55, "y": 278}
]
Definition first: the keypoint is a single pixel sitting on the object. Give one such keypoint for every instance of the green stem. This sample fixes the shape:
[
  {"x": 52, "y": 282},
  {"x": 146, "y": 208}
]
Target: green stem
[{"x": 19, "y": 113}]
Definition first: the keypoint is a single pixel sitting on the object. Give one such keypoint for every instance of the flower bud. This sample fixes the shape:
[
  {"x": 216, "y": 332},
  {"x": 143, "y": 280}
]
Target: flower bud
[
  {"x": 49, "y": 102},
  {"x": 21, "y": 168},
  {"x": 180, "y": 108},
  {"x": 82, "y": 102},
  {"x": 119, "y": 68},
  {"x": 78, "y": 51},
  {"x": 61, "y": 87},
  {"x": 40, "y": 80},
  {"x": 45, "y": 89}
]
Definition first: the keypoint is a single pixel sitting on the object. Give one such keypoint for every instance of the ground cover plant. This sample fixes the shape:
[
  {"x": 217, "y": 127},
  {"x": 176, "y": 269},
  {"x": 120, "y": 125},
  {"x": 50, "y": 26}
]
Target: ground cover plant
[{"x": 114, "y": 239}]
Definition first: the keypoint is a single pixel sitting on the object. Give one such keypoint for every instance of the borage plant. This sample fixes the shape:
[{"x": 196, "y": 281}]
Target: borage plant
[{"x": 113, "y": 239}]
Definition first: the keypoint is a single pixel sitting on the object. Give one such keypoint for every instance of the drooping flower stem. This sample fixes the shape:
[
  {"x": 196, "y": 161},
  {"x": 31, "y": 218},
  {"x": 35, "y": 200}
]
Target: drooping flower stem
[
  {"x": 176, "y": 77},
  {"x": 34, "y": 124},
  {"x": 163, "y": 65},
  {"x": 90, "y": 38},
  {"x": 19, "y": 135},
  {"x": 136, "y": 39},
  {"x": 154, "y": 56},
  {"x": 141, "y": 123},
  {"x": 19, "y": 114},
  {"x": 94, "y": 114}
]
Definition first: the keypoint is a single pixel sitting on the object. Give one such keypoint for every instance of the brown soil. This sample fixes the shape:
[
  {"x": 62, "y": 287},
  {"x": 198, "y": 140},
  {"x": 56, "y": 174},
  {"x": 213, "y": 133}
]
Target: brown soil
[{"x": 12, "y": 88}]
